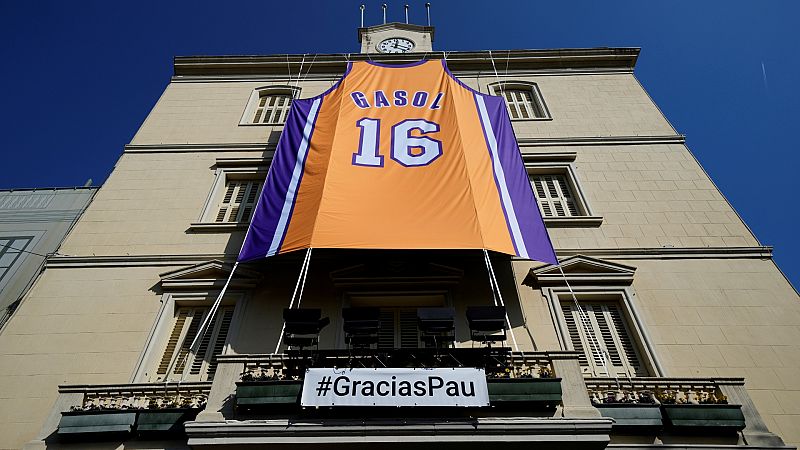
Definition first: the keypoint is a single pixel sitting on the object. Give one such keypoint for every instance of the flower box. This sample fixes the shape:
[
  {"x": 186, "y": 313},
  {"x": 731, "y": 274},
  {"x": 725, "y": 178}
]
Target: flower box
[
  {"x": 540, "y": 390},
  {"x": 262, "y": 393},
  {"x": 163, "y": 421},
  {"x": 717, "y": 417},
  {"x": 633, "y": 417},
  {"x": 108, "y": 423}
]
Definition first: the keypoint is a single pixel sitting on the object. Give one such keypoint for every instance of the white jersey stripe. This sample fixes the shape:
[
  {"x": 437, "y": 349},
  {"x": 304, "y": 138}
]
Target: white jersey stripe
[
  {"x": 291, "y": 192},
  {"x": 516, "y": 233}
]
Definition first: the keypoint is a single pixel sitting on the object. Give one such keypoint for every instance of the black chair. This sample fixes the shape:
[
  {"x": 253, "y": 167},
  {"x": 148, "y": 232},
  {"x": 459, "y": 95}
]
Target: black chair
[
  {"x": 302, "y": 326},
  {"x": 437, "y": 326},
  {"x": 487, "y": 323},
  {"x": 361, "y": 326}
]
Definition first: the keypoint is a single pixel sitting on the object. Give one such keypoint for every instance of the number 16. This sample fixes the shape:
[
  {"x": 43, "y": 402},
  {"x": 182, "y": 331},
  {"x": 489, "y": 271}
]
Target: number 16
[{"x": 402, "y": 143}]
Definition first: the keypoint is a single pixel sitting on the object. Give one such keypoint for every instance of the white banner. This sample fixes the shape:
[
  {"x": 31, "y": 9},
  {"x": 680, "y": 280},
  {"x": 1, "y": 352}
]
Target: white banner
[{"x": 395, "y": 387}]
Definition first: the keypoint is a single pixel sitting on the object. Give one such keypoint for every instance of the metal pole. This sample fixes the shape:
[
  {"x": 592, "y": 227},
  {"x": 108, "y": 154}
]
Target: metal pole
[
  {"x": 406, "y": 13},
  {"x": 384, "y": 13},
  {"x": 428, "y": 12},
  {"x": 362, "y": 15}
]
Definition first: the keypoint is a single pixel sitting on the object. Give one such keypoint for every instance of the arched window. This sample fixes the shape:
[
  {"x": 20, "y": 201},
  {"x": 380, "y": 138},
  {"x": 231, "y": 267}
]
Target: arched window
[
  {"x": 523, "y": 99},
  {"x": 269, "y": 105}
]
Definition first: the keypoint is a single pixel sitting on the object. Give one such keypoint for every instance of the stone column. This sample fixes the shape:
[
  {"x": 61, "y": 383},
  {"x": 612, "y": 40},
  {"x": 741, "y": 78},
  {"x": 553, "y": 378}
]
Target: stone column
[
  {"x": 574, "y": 396},
  {"x": 755, "y": 432},
  {"x": 221, "y": 398},
  {"x": 67, "y": 398}
]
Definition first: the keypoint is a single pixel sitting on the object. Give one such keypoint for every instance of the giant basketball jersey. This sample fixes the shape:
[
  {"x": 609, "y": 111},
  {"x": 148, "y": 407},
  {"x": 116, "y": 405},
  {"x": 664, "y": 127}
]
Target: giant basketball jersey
[{"x": 398, "y": 157}]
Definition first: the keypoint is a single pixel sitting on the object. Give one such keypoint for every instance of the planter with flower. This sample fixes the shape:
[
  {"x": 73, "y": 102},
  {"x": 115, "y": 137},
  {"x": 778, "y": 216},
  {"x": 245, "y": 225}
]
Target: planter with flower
[
  {"x": 700, "y": 411},
  {"x": 632, "y": 411},
  {"x": 524, "y": 384},
  {"x": 267, "y": 387}
]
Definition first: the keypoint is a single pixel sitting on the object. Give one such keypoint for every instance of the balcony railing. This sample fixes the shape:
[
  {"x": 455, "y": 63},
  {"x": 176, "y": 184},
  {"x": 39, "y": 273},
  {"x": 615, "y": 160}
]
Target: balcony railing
[
  {"x": 497, "y": 362},
  {"x": 140, "y": 396},
  {"x": 654, "y": 391},
  {"x": 123, "y": 411}
]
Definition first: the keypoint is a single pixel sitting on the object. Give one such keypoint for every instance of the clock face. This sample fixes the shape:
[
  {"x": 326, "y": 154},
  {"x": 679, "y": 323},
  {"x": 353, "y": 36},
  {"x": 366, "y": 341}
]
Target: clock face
[{"x": 396, "y": 45}]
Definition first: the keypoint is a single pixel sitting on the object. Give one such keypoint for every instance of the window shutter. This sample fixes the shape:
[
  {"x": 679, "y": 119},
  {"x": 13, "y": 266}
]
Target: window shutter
[
  {"x": 409, "y": 333},
  {"x": 202, "y": 349},
  {"x": 398, "y": 328},
  {"x": 386, "y": 332},
  {"x": 625, "y": 343},
  {"x": 177, "y": 357},
  {"x": 195, "y": 319},
  {"x": 239, "y": 201},
  {"x": 523, "y": 103},
  {"x": 607, "y": 327},
  {"x": 172, "y": 342},
  {"x": 219, "y": 340},
  {"x": 554, "y": 195},
  {"x": 273, "y": 108},
  {"x": 572, "y": 319}
]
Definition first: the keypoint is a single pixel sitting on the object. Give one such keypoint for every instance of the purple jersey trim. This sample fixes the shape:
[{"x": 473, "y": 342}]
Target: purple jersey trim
[
  {"x": 531, "y": 226},
  {"x": 267, "y": 214},
  {"x": 534, "y": 233},
  {"x": 397, "y": 66}
]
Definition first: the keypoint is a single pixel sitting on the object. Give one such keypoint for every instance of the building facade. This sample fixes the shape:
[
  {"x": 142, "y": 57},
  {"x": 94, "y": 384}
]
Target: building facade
[
  {"x": 666, "y": 301},
  {"x": 33, "y": 223}
]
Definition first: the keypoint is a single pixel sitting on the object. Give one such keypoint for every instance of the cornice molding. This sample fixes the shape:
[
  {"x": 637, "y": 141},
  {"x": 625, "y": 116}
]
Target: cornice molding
[
  {"x": 457, "y": 61},
  {"x": 61, "y": 262},
  {"x": 601, "y": 140},
  {"x": 268, "y": 148},
  {"x": 205, "y": 147},
  {"x": 757, "y": 252}
]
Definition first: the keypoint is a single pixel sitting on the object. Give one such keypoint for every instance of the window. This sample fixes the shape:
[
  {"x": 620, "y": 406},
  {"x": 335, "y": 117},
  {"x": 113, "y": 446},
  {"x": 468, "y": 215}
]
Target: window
[
  {"x": 238, "y": 201},
  {"x": 554, "y": 196},
  {"x": 606, "y": 327},
  {"x": 177, "y": 361},
  {"x": 398, "y": 328},
  {"x": 272, "y": 108},
  {"x": 398, "y": 314},
  {"x": 523, "y": 99},
  {"x": 601, "y": 329},
  {"x": 269, "y": 105},
  {"x": 561, "y": 201},
  {"x": 11, "y": 249},
  {"x": 233, "y": 196}
]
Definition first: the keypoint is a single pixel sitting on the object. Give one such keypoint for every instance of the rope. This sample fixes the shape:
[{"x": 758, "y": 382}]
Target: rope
[
  {"x": 301, "y": 283},
  {"x": 500, "y": 298},
  {"x": 587, "y": 324},
  {"x": 489, "y": 274},
  {"x": 300, "y": 72},
  {"x": 204, "y": 325},
  {"x": 497, "y": 76}
]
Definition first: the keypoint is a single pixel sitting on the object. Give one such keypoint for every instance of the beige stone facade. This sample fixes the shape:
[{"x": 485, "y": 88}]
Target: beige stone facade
[{"x": 704, "y": 297}]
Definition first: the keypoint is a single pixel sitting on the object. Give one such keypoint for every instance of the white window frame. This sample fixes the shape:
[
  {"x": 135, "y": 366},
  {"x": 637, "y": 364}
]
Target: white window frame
[
  {"x": 585, "y": 216},
  {"x": 620, "y": 296},
  {"x": 246, "y": 171},
  {"x": 394, "y": 301},
  {"x": 156, "y": 344},
  {"x": 248, "y": 116},
  {"x": 500, "y": 88}
]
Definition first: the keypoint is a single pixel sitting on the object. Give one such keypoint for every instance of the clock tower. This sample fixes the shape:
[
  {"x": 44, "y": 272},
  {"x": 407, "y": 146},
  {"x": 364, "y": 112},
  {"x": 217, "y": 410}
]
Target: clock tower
[{"x": 396, "y": 37}]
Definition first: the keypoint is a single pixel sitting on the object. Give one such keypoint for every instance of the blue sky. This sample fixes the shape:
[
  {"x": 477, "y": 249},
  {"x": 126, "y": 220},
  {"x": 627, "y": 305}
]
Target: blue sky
[{"x": 80, "y": 77}]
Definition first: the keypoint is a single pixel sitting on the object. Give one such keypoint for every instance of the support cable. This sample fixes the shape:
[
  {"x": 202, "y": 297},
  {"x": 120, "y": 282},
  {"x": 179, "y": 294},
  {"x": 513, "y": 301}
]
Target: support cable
[
  {"x": 300, "y": 285},
  {"x": 500, "y": 297},
  {"x": 587, "y": 326}
]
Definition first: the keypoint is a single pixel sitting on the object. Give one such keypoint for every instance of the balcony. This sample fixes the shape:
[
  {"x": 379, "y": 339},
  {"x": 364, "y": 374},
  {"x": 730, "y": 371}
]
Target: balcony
[
  {"x": 122, "y": 412},
  {"x": 717, "y": 409},
  {"x": 275, "y": 381},
  {"x": 536, "y": 399}
]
